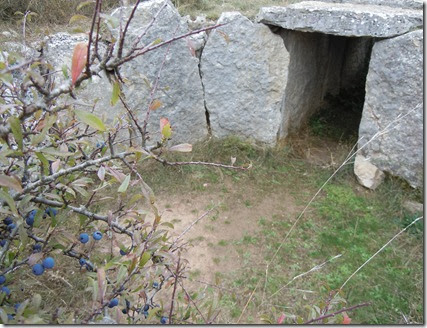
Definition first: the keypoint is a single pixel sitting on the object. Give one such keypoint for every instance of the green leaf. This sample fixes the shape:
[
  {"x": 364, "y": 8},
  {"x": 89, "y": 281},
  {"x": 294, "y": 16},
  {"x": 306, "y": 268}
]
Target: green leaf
[
  {"x": 116, "y": 93},
  {"x": 124, "y": 186},
  {"x": 121, "y": 274},
  {"x": 9, "y": 200},
  {"x": 45, "y": 163},
  {"x": 65, "y": 71},
  {"x": 52, "y": 151},
  {"x": 15, "y": 125},
  {"x": 90, "y": 119},
  {"x": 144, "y": 259}
]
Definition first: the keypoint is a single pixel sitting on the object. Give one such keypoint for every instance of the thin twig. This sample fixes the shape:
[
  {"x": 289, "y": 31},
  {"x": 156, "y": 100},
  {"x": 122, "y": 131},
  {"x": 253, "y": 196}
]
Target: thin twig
[
  {"x": 191, "y": 300},
  {"x": 89, "y": 43},
  {"x": 154, "y": 90},
  {"x": 386, "y": 244},
  {"x": 315, "y": 268},
  {"x": 123, "y": 34},
  {"x": 174, "y": 288},
  {"x": 337, "y": 312},
  {"x": 191, "y": 225}
]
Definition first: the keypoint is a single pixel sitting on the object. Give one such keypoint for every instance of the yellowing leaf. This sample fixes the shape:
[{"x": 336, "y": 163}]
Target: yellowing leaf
[
  {"x": 165, "y": 128},
  {"x": 90, "y": 119},
  {"x": 124, "y": 186},
  {"x": 84, "y": 4},
  {"x": 155, "y": 104},
  {"x": 79, "y": 61},
  {"x": 144, "y": 259},
  {"x": 116, "y": 93},
  {"x": 10, "y": 182},
  {"x": 77, "y": 18}
]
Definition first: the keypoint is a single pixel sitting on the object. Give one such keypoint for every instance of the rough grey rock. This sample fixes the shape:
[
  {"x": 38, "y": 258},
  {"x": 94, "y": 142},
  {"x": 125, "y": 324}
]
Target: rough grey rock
[
  {"x": 179, "y": 89},
  {"x": 408, "y": 4},
  {"x": 94, "y": 93},
  {"x": 394, "y": 88},
  {"x": 413, "y": 207},
  {"x": 244, "y": 73},
  {"x": 367, "y": 174},
  {"x": 346, "y": 19}
]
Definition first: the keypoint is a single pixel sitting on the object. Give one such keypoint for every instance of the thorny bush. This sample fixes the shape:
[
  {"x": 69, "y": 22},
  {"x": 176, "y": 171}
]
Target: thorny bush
[{"x": 57, "y": 163}]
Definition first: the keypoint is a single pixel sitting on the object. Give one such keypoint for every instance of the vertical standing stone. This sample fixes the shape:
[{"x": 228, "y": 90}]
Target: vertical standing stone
[
  {"x": 244, "y": 73},
  {"x": 394, "y": 105}
]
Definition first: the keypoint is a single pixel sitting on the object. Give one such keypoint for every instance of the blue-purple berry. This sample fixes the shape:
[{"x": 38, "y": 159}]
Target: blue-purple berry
[
  {"x": 84, "y": 238},
  {"x": 164, "y": 320},
  {"x": 11, "y": 226},
  {"x": 2, "y": 279},
  {"x": 114, "y": 302},
  {"x": 51, "y": 211},
  {"x": 37, "y": 248},
  {"x": 5, "y": 290},
  {"x": 97, "y": 235},
  {"x": 38, "y": 269},
  {"x": 8, "y": 220},
  {"x": 48, "y": 263}
]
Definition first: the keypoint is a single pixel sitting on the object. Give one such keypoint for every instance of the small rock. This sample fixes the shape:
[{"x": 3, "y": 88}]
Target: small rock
[
  {"x": 367, "y": 174},
  {"x": 413, "y": 207}
]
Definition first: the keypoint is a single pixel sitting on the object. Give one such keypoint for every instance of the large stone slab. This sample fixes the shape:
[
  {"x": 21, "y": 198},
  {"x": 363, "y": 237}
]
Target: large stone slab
[
  {"x": 345, "y": 19},
  {"x": 394, "y": 105},
  {"x": 179, "y": 88},
  {"x": 244, "y": 73},
  {"x": 408, "y": 4}
]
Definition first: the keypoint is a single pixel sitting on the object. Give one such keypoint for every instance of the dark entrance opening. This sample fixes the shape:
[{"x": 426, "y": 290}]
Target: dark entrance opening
[{"x": 326, "y": 83}]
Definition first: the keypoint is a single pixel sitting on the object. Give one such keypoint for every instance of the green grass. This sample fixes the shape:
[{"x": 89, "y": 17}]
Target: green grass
[{"x": 345, "y": 219}]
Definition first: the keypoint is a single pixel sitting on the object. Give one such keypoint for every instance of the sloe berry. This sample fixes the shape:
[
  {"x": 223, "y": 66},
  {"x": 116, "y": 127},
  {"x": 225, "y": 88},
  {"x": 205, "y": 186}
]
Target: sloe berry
[
  {"x": 48, "y": 263},
  {"x": 38, "y": 269},
  {"x": 114, "y": 302},
  {"x": 11, "y": 226},
  {"x": 51, "y": 211},
  {"x": 2, "y": 279},
  {"x": 97, "y": 235},
  {"x": 37, "y": 248},
  {"x": 5, "y": 290},
  {"x": 84, "y": 238},
  {"x": 8, "y": 220}
]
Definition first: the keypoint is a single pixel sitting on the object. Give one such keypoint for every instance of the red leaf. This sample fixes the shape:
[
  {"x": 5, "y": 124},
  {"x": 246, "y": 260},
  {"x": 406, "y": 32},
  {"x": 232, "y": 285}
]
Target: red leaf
[
  {"x": 281, "y": 318},
  {"x": 78, "y": 61},
  {"x": 163, "y": 122},
  {"x": 346, "y": 320}
]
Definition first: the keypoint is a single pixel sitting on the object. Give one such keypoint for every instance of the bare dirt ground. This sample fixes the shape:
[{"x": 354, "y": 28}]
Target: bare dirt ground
[{"x": 235, "y": 216}]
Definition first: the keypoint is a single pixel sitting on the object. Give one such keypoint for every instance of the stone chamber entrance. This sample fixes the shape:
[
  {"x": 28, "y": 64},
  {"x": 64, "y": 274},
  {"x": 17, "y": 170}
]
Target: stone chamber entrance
[{"x": 326, "y": 83}]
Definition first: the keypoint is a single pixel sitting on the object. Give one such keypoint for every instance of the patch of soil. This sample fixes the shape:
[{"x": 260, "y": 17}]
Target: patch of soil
[{"x": 235, "y": 217}]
